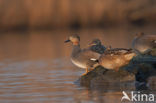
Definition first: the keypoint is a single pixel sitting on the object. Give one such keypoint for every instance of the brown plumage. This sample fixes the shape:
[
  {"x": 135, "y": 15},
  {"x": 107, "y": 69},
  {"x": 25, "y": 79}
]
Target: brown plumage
[{"x": 116, "y": 58}]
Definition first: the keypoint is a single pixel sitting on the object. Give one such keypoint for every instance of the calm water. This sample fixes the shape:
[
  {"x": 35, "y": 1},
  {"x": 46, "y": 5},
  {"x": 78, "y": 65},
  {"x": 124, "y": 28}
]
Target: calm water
[{"x": 35, "y": 67}]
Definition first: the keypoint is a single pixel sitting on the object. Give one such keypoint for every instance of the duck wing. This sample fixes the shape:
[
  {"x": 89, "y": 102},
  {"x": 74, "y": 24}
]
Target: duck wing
[
  {"x": 118, "y": 51},
  {"x": 91, "y": 55}
]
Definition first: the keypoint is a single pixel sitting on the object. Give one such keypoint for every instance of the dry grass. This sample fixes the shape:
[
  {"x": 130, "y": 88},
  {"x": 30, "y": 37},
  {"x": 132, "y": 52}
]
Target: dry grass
[{"x": 75, "y": 13}]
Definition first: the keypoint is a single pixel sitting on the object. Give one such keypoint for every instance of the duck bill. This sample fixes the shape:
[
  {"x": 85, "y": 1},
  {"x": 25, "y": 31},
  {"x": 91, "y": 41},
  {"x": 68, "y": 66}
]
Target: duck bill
[
  {"x": 67, "y": 41},
  {"x": 90, "y": 44}
]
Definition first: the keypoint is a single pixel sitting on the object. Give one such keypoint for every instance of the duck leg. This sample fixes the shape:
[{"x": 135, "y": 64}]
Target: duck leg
[
  {"x": 90, "y": 66},
  {"x": 85, "y": 72}
]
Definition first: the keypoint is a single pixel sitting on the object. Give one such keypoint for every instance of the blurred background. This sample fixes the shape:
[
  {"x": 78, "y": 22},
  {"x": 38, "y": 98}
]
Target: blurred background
[
  {"x": 52, "y": 14},
  {"x": 35, "y": 64}
]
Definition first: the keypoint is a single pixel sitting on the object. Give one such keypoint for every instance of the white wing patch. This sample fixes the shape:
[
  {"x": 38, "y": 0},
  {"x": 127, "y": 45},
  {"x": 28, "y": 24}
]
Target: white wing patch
[{"x": 93, "y": 59}]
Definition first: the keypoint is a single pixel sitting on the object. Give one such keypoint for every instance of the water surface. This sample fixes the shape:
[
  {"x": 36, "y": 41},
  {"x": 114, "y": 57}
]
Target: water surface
[{"x": 35, "y": 67}]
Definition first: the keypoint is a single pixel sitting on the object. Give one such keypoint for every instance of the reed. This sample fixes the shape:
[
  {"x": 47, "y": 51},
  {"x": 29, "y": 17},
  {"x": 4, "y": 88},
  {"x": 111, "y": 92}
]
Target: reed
[{"x": 75, "y": 13}]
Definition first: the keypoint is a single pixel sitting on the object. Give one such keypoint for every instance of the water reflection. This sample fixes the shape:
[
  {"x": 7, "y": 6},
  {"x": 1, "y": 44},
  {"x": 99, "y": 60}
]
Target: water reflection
[{"x": 35, "y": 67}]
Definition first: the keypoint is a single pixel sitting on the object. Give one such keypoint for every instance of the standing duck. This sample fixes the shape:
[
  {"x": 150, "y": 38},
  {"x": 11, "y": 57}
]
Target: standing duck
[
  {"x": 83, "y": 58},
  {"x": 143, "y": 44}
]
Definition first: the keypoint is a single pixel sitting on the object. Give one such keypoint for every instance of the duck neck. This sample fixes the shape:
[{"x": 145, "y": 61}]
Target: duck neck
[{"x": 76, "y": 49}]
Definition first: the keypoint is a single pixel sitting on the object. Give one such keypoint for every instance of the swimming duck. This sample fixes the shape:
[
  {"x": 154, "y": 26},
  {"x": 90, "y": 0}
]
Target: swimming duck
[
  {"x": 116, "y": 58},
  {"x": 97, "y": 46},
  {"x": 83, "y": 58},
  {"x": 142, "y": 43}
]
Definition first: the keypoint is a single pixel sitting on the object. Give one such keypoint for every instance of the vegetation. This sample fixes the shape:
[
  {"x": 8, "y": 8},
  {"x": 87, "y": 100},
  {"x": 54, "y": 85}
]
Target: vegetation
[{"x": 24, "y": 14}]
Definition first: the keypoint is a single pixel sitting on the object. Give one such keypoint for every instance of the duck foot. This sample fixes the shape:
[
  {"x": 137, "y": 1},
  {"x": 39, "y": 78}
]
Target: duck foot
[{"x": 85, "y": 72}]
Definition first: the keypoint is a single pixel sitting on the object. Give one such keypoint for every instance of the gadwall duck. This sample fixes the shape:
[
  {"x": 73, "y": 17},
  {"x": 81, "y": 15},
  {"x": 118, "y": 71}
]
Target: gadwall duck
[
  {"x": 116, "y": 58},
  {"x": 142, "y": 43},
  {"x": 83, "y": 58},
  {"x": 97, "y": 46}
]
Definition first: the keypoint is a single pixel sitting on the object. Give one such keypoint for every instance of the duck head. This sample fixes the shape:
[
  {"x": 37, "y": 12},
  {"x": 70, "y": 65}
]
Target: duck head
[
  {"x": 74, "y": 39},
  {"x": 95, "y": 42}
]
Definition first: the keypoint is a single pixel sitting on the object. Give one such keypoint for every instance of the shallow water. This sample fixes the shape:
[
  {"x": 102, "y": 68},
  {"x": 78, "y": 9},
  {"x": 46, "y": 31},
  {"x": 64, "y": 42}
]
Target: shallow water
[{"x": 35, "y": 67}]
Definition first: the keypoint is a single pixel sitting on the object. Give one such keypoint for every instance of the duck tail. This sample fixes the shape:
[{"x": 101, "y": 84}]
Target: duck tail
[{"x": 130, "y": 56}]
